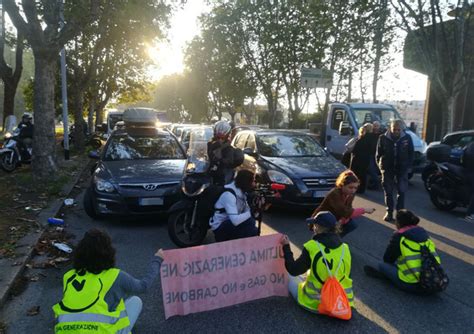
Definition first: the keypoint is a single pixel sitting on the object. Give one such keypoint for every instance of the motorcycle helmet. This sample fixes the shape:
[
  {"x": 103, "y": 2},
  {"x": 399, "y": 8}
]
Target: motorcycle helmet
[
  {"x": 222, "y": 129},
  {"x": 27, "y": 116}
]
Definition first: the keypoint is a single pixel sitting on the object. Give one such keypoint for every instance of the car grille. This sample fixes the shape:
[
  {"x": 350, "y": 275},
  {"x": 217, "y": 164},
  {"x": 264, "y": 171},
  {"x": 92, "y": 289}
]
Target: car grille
[
  {"x": 317, "y": 183},
  {"x": 149, "y": 186}
]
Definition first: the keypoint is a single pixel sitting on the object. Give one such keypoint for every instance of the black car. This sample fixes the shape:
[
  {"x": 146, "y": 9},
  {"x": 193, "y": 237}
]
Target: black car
[
  {"x": 139, "y": 171},
  {"x": 291, "y": 158}
]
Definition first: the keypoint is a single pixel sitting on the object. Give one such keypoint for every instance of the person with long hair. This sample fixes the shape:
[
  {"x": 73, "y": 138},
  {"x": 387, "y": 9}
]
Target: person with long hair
[
  {"x": 402, "y": 259},
  {"x": 98, "y": 296},
  {"x": 308, "y": 273},
  {"x": 339, "y": 202},
  {"x": 363, "y": 151}
]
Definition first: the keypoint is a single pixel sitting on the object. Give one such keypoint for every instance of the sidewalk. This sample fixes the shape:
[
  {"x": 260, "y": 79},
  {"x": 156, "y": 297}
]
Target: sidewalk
[{"x": 12, "y": 268}]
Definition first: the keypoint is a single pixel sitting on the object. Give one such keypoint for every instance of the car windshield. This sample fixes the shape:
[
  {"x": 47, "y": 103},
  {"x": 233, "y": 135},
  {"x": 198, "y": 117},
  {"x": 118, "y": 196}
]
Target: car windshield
[
  {"x": 127, "y": 147},
  {"x": 384, "y": 116},
  {"x": 288, "y": 145}
]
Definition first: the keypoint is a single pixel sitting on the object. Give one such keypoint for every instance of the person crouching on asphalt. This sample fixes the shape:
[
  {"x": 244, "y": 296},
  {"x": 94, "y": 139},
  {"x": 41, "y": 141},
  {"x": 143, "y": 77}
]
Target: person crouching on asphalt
[
  {"x": 97, "y": 295},
  {"x": 402, "y": 260},
  {"x": 339, "y": 202},
  {"x": 306, "y": 289},
  {"x": 232, "y": 218}
]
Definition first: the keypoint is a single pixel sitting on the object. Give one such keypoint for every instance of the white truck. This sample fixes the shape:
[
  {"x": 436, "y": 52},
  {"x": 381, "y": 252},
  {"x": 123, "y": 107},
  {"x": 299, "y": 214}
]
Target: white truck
[{"x": 344, "y": 120}]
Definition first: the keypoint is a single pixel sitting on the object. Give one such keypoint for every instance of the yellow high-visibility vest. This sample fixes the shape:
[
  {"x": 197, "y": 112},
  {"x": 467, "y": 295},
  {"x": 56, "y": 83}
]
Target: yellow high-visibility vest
[
  {"x": 409, "y": 262},
  {"x": 83, "y": 308}
]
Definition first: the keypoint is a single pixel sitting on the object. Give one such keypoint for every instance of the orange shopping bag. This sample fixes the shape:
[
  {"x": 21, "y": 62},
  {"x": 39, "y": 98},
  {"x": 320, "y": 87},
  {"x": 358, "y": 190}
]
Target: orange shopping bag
[{"x": 334, "y": 302}]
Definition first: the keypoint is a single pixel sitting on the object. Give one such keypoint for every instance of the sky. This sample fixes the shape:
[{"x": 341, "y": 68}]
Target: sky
[{"x": 396, "y": 84}]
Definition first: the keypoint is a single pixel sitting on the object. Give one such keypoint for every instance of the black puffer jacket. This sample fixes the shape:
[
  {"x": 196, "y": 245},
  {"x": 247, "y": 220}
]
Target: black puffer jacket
[{"x": 395, "y": 155}]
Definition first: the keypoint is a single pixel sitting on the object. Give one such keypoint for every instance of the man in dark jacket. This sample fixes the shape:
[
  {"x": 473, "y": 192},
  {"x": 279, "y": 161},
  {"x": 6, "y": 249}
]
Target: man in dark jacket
[{"x": 395, "y": 154}]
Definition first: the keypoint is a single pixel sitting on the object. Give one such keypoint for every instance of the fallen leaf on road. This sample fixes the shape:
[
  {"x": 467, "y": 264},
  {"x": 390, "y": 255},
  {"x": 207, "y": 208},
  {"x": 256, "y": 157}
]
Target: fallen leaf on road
[
  {"x": 34, "y": 279},
  {"x": 60, "y": 259},
  {"x": 14, "y": 264},
  {"x": 35, "y": 310}
]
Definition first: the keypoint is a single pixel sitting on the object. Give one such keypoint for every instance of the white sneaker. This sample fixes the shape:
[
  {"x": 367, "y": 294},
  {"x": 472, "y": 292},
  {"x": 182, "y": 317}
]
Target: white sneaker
[{"x": 469, "y": 218}]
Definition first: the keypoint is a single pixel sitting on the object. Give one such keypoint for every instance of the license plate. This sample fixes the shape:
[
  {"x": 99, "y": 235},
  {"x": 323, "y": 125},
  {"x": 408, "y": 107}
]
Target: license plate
[
  {"x": 151, "y": 201},
  {"x": 320, "y": 193}
]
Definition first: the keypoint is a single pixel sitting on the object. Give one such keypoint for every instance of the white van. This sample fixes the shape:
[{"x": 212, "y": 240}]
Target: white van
[
  {"x": 344, "y": 120},
  {"x": 113, "y": 116}
]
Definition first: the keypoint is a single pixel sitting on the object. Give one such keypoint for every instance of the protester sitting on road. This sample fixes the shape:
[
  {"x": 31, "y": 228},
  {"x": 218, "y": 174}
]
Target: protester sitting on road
[
  {"x": 402, "y": 260},
  {"x": 361, "y": 154},
  {"x": 306, "y": 289},
  {"x": 468, "y": 164},
  {"x": 395, "y": 154},
  {"x": 339, "y": 202},
  {"x": 232, "y": 218},
  {"x": 98, "y": 295}
]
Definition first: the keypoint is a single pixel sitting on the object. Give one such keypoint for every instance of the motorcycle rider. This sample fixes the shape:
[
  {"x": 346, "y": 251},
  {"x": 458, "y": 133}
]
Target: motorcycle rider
[
  {"x": 223, "y": 158},
  {"x": 232, "y": 218},
  {"x": 26, "y": 129},
  {"x": 468, "y": 164}
]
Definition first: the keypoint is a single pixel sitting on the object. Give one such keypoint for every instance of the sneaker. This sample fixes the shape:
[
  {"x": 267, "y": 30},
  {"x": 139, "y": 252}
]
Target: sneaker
[
  {"x": 372, "y": 272},
  {"x": 469, "y": 218},
  {"x": 388, "y": 217}
]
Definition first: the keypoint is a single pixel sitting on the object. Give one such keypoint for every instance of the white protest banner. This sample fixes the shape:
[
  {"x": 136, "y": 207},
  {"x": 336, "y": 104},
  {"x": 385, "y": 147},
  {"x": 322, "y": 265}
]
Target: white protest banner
[{"x": 209, "y": 277}]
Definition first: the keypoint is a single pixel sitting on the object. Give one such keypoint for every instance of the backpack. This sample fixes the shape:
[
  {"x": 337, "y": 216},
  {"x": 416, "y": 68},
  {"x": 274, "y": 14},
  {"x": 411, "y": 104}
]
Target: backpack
[
  {"x": 432, "y": 276},
  {"x": 334, "y": 302},
  {"x": 206, "y": 205}
]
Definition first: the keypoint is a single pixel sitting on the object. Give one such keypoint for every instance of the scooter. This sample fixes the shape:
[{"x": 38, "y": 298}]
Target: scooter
[
  {"x": 448, "y": 187},
  {"x": 11, "y": 156}
]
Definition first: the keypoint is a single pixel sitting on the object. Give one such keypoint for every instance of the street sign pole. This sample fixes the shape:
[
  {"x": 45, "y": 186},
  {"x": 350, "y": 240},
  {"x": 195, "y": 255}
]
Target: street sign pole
[{"x": 64, "y": 86}]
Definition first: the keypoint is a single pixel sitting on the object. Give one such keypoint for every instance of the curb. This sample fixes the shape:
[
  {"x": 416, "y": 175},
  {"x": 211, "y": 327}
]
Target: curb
[{"x": 27, "y": 243}]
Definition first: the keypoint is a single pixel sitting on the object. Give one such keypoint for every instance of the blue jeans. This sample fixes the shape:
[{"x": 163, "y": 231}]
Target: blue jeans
[
  {"x": 391, "y": 272},
  {"x": 390, "y": 180},
  {"x": 228, "y": 231},
  {"x": 134, "y": 306},
  {"x": 350, "y": 226}
]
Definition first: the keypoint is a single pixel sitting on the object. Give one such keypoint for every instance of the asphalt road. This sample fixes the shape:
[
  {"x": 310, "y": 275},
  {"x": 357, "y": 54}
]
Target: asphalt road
[{"x": 379, "y": 306}]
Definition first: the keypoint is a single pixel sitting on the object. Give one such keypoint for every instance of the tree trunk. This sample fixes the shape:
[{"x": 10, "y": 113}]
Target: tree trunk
[
  {"x": 78, "y": 120},
  {"x": 90, "y": 116},
  {"x": 447, "y": 123},
  {"x": 44, "y": 141},
  {"x": 9, "y": 91}
]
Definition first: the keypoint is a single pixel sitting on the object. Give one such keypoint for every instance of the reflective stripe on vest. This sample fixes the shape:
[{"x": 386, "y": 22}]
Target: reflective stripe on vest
[
  {"x": 309, "y": 291},
  {"x": 83, "y": 308},
  {"x": 409, "y": 262}
]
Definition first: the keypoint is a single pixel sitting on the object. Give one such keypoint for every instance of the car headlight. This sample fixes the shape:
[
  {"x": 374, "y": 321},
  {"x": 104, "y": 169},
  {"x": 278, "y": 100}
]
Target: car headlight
[
  {"x": 278, "y": 177},
  {"x": 104, "y": 186}
]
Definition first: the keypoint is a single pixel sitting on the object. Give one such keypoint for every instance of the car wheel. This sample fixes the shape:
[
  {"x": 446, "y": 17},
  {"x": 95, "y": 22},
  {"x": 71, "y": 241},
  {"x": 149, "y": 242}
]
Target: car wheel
[{"x": 89, "y": 205}]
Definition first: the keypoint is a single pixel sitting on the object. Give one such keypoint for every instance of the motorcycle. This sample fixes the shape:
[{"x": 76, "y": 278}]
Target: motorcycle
[
  {"x": 11, "y": 155},
  {"x": 448, "y": 187},
  {"x": 188, "y": 220},
  {"x": 92, "y": 140}
]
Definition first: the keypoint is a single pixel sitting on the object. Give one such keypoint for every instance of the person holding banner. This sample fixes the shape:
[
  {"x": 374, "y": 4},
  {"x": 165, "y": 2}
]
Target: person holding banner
[
  {"x": 96, "y": 295},
  {"x": 339, "y": 202},
  {"x": 232, "y": 218},
  {"x": 306, "y": 289}
]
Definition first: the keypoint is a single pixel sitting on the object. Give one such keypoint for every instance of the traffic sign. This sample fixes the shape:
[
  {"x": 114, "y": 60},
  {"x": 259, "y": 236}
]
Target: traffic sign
[{"x": 315, "y": 78}]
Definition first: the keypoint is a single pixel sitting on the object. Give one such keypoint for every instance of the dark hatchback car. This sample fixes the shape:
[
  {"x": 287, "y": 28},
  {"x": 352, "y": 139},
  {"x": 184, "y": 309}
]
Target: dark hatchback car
[
  {"x": 139, "y": 172},
  {"x": 291, "y": 158}
]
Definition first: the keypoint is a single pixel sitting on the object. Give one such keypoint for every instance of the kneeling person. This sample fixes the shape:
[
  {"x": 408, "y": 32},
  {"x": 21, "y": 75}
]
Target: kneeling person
[{"x": 232, "y": 218}]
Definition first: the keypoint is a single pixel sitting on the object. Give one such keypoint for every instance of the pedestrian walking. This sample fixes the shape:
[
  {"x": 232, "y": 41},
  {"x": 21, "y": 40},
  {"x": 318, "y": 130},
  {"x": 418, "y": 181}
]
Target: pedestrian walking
[
  {"x": 395, "y": 155},
  {"x": 339, "y": 202},
  {"x": 361, "y": 154},
  {"x": 98, "y": 296},
  {"x": 402, "y": 261},
  {"x": 373, "y": 177},
  {"x": 309, "y": 272}
]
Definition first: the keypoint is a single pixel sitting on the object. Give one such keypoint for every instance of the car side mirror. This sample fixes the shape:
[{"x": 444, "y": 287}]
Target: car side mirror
[
  {"x": 94, "y": 155},
  {"x": 345, "y": 129},
  {"x": 250, "y": 151}
]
